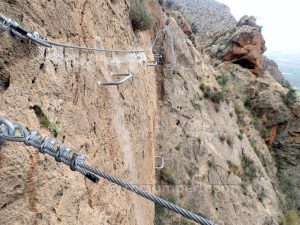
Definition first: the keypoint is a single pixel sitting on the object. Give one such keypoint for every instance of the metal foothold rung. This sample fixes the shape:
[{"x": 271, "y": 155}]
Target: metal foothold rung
[
  {"x": 162, "y": 165},
  {"x": 158, "y": 56},
  {"x": 152, "y": 63},
  {"x": 126, "y": 75}
]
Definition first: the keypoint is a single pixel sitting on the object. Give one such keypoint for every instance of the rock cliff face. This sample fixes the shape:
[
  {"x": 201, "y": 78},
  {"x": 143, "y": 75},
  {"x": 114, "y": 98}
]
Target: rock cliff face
[
  {"x": 209, "y": 16},
  {"x": 113, "y": 127},
  {"x": 272, "y": 67},
  {"x": 210, "y": 118},
  {"x": 204, "y": 147}
]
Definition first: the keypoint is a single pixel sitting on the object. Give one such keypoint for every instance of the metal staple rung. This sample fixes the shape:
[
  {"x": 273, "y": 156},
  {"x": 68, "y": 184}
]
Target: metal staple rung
[
  {"x": 158, "y": 56},
  {"x": 126, "y": 75},
  {"x": 162, "y": 160},
  {"x": 152, "y": 63}
]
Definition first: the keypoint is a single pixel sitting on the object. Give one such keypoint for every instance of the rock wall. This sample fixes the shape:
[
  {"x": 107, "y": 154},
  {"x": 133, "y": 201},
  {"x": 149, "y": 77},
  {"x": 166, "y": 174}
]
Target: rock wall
[
  {"x": 204, "y": 145},
  {"x": 209, "y": 16},
  {"x": 202, "y": 113},
  {"x": 114, "y": 127}
]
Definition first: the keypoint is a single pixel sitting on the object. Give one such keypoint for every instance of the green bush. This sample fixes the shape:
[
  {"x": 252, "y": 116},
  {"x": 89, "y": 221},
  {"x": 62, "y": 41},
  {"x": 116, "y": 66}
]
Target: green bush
[
  {"x": 249, "y": 169},
  {"x": 45, "y": 122},
  {"x": 289, "y": 187},
  {"x": 167, "y": 175},
  {"x": 290, "y": 98},
  {"x": 218, "y": 96},
  {"x": 194, "y": 28},
  {"x": 222, "y": 80},
  {"x": 139, "y": 15},
  {"x": 178, "y": 147},
  {"x": 290, "y": 218},
  {"x": 170, "y": 4}
]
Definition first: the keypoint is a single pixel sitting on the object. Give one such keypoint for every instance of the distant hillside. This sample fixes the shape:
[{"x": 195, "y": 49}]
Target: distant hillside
[{"x": 209, "y": 16}]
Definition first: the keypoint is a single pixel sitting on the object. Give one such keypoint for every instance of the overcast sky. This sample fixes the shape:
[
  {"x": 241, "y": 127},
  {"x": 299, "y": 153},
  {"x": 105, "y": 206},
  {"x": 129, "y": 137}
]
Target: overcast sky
[{"x": 280, "y": 20}]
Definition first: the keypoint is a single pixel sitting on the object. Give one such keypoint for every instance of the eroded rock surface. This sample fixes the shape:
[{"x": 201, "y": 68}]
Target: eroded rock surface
[
  {"x": 242, "y": 44},
  {"x": 113, "y": 127}
]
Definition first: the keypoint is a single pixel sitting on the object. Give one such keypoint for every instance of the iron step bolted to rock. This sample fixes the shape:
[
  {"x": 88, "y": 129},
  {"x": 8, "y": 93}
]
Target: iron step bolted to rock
[{"x": 12, "y": 132}]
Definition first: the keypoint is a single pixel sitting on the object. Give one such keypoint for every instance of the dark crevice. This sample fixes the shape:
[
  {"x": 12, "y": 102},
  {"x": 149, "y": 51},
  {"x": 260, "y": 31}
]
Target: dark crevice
[
  {"x": 245, "y": 64},
  {"x": 4, "y": 82}
]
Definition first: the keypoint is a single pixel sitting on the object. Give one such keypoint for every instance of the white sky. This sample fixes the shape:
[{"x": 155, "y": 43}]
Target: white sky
[{"x": 280, "y": 21}]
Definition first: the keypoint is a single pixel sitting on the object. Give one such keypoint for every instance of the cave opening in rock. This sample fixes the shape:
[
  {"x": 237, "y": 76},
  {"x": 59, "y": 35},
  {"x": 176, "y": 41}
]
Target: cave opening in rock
[
  {"x": 245, "y": 63},
  {"x": 4, "y": 82}
]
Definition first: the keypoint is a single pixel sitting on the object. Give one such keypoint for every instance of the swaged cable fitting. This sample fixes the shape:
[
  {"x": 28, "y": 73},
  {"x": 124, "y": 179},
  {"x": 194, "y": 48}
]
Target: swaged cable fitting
[{"x": 61, "y": 153}]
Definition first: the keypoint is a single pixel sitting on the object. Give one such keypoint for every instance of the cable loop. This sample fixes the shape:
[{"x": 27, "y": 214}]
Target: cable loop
[
  {"x": 6, "y": 24},
  {"x": 7, "y": 127}
]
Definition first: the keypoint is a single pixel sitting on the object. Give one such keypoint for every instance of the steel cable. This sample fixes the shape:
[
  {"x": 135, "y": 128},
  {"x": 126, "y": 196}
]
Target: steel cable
[{"x": 48, "y": 146}]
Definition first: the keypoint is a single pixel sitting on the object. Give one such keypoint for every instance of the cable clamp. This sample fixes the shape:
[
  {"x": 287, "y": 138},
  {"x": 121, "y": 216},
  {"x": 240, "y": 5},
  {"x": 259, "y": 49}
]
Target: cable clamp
[
  {"x": 62, "y": 151},
  {"x": 47, "y": 142},
  {"x": 30, "y": 137},
  {"x": 76, "y": 159}
]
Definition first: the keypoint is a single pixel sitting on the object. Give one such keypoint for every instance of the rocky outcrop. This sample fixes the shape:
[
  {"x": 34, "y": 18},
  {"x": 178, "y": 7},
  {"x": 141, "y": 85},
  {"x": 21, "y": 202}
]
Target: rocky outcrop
[
  {"x": 272, "y": 67},
  {"x": 209, "y": 16},
  {"x": 243, "y": 45},
  {"x": 184, "y": 25}
]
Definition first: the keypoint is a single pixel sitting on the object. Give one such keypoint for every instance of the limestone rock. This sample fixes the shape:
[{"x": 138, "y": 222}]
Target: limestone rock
[
  {"x": 243, "y": 45},
  {"x": 184, "y": 25},
  {"x": 209, "y": 16}
]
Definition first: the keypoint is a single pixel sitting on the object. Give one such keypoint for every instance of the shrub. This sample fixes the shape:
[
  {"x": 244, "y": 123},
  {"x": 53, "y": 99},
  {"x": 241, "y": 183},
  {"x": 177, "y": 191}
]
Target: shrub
[
  {"x": 53, "y": 127},
  {"x": 218, "y": 96},
  {"x": 290, "y": 98},
  {"x": 167, "y": 175},
  {"x": 196, "y": 106},
  {"x": 177, "y": 147},
  {"x": 239, "y": 110},
  {"x": 139, "y": 15},
  {"x": 170, "y": 4},
  {"x": 222, "y": 80},
  {"x": 171, "y": 198},
  {"x": 45, "y": 122},
  {"x": 288, "y": 186},
  {"x": 249, "y": 169},
  {"x": 214, "y": 95},
  {"x": 290, "y": 218},
  {"x": 194, "y": 28},
  {"x": 286, "y": 84},
  {"x": 248, "y": 103},
  {"x": 261, "y": 196},
  {"x": 240, "y": 136}
]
